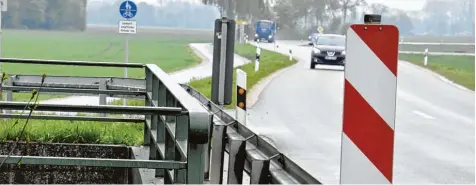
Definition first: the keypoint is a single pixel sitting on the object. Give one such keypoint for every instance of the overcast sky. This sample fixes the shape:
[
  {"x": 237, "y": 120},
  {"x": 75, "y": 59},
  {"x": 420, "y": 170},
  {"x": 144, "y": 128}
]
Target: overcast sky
[{"x": 401, "y": 4}]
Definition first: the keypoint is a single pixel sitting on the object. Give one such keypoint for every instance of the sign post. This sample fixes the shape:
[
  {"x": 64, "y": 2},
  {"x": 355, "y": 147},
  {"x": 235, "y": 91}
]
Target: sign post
[
  {"x": 128, "y": 10},
  {"x": 223, "y": 59},
  {"x": 3, "y": 7},
  {"x": 369, "y": 103}
]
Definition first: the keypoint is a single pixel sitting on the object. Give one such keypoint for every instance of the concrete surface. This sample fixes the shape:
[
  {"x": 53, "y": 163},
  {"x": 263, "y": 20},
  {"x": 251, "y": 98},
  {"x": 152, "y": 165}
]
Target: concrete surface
[{"x": 301, "y": 110}]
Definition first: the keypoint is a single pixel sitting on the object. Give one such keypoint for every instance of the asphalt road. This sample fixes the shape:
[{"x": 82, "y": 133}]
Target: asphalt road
[{"x": 301, "y": 110}]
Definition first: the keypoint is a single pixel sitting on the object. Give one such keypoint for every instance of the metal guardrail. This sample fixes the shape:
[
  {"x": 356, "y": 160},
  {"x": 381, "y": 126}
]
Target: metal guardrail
[
  {"x": 437, "y": 49},
  {"x": 175, "y": 124},
  {"x": 437, "y": 53},
  {"x": 436, "y": 43},
  {"x": 247, "y": 151}
]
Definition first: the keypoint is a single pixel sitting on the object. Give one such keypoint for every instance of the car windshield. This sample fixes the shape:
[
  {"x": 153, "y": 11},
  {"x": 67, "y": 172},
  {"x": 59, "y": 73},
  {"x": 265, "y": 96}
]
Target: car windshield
[
  {"x": 331, "y": 41},
  {"x": 264, "y": 25}
]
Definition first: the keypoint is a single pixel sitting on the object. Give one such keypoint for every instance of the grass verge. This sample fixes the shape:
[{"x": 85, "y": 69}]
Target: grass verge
[
  {"x": 459, "y": 69},
  {"x": 73, "y": 132},
  {"x": 270, "y": 62}
]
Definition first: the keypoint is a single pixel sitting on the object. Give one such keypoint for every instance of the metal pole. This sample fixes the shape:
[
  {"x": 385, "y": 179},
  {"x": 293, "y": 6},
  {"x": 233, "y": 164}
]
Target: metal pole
[
  {"x": 221, "y": 84},
  {"x": 1, "y": 33},
  {"x": 127, "y": 61}
]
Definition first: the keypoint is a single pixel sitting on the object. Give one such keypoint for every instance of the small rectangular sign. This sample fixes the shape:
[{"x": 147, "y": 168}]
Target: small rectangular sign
[
  {"x": 128, "y": 27},
  {"x": 3, "y": 4}
]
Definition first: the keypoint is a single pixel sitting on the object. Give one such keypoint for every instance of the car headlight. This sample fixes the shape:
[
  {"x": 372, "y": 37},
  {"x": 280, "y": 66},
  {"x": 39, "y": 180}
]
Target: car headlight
[
  {"x": 315, "y": 50},
  {"x": 256, "y": 35},
  {"x": 309, "y": 38},
  {"x": 343, "y": 53},
  {"x": 270, "y": 36}
]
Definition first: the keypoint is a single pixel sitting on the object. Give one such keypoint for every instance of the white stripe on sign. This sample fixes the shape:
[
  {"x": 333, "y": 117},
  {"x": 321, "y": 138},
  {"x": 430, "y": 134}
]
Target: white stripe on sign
[
  {"x": 241, "y": 82},
  {"x": 368, "y": 173},
  {"x": 376, "y": 86}
]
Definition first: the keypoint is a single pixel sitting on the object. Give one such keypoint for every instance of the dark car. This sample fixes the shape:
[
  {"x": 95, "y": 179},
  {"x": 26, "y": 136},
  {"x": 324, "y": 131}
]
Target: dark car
[{"x": 328, "y": 49}]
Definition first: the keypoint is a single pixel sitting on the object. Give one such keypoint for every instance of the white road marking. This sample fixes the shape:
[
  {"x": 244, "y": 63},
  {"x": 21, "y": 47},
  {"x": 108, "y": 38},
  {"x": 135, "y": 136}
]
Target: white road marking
[{"x": 426, "y": 116}]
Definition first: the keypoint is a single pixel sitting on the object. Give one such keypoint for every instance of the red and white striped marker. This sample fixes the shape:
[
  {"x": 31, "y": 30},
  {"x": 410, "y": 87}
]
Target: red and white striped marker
[{"x": 369, "y": 104}]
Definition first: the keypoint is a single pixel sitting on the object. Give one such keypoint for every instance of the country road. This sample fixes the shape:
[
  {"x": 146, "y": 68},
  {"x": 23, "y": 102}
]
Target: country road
[{"x": 301, "y": 110}]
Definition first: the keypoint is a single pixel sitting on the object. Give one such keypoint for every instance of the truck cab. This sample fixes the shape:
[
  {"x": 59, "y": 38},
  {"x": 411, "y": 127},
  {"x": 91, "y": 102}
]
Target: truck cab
[{"x": 265, "y": 31}]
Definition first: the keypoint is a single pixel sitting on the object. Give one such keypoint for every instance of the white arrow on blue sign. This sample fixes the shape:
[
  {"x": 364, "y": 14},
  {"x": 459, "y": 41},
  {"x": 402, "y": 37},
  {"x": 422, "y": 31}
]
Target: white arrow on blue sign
[{"x": 128, "y": 9}]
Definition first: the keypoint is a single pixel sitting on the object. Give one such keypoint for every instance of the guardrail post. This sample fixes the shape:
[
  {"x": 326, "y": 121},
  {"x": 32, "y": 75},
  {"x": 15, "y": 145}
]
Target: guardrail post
[
  {"x": 208, "y": 149},
  {"x": 161, "y": 92},
  {"x": 181, "y": 136},
  {"x": 196, "y": 149},
  {"x": 218, "y": 155},
  {"x": 149, "y": 89},
  {"x": 169, "y": 139},
  {"x": 237, "y": 157},
  {"x": 102, "y": 97},
  {"x": 259, "y": 170},
  {"x": 9, "y": 94}
]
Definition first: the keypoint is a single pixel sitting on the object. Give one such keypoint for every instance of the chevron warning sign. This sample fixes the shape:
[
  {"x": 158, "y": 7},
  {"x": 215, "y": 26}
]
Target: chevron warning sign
[{"x": 369, "y": 104}]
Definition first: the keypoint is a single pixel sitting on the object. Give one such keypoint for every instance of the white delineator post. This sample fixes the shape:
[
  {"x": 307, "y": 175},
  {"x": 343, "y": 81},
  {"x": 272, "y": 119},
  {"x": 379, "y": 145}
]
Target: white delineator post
[
  {"x": 426, "y": 57},
  {"x": 258, "y": 56},
  {"x": 290, "y": 54},
  {"x": 369, "y": 104},
  {"x": 241, "y": 96}
]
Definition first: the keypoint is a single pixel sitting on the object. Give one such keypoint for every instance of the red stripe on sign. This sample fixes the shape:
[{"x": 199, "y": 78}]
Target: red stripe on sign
[
  {"x": 381, "y": 43},
  {"x": 369, "y": 132}
]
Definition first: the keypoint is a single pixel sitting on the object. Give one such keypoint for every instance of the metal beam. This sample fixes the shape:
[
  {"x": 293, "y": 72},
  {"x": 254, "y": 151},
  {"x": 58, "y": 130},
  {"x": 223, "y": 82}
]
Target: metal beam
[
  {"x": 98, "y": 162},
  {"x": 74, "y": 63},
  {"x": 198, "y": 115},
  {"x": 78, "y": 118},
  {"x": 67, "y": 81},
  {"x": 74, "y": 90},
  {"x": 95, "y": 108},
  {"x": 283, "y": 170}
]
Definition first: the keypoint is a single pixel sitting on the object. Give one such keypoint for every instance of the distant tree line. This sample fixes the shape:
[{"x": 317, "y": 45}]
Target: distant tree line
[
  {"x": 297, "y": 18},
  {"x": 45, "y": 14}
]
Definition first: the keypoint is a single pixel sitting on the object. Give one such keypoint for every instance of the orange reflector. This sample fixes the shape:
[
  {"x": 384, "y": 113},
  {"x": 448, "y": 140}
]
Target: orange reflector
[
  {"x": 241, "y": 91},
  {"x": 241, "y": 104}
]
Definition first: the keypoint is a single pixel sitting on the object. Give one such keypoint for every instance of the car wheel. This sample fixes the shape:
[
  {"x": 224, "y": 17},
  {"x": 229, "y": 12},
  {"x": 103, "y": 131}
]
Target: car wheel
[{"x": 313, "y": 65}]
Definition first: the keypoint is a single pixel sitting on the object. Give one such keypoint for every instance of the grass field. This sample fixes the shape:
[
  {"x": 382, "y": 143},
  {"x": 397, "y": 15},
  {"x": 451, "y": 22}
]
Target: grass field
[
  {"x": 170, "y": 52},
  {"x": 270, "y": 62},
  {"x": 459, "y": 69}
]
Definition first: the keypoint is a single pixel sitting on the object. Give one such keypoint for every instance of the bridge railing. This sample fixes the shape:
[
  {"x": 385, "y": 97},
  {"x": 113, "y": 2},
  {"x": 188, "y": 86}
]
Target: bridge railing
[
  {"x": 247, "y": 152},
  {"x": 175, "y": 124}
]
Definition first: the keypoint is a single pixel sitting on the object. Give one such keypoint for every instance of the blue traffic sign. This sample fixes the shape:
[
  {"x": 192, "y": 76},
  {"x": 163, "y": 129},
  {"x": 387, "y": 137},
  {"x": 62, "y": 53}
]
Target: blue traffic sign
[{"x": 128, "y": 9}]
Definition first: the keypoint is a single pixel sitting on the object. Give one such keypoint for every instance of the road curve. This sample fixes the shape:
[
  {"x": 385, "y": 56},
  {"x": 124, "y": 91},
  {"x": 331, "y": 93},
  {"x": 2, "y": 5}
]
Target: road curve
[{"x": 302, "y": 112}]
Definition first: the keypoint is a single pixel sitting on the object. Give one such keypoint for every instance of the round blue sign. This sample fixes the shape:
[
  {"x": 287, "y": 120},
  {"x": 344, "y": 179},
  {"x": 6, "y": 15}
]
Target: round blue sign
[{"x": 128, "y": 9}]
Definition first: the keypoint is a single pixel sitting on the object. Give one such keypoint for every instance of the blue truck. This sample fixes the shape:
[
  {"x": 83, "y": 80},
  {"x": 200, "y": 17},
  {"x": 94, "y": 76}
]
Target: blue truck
[{"x": 265, "y": 31}]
